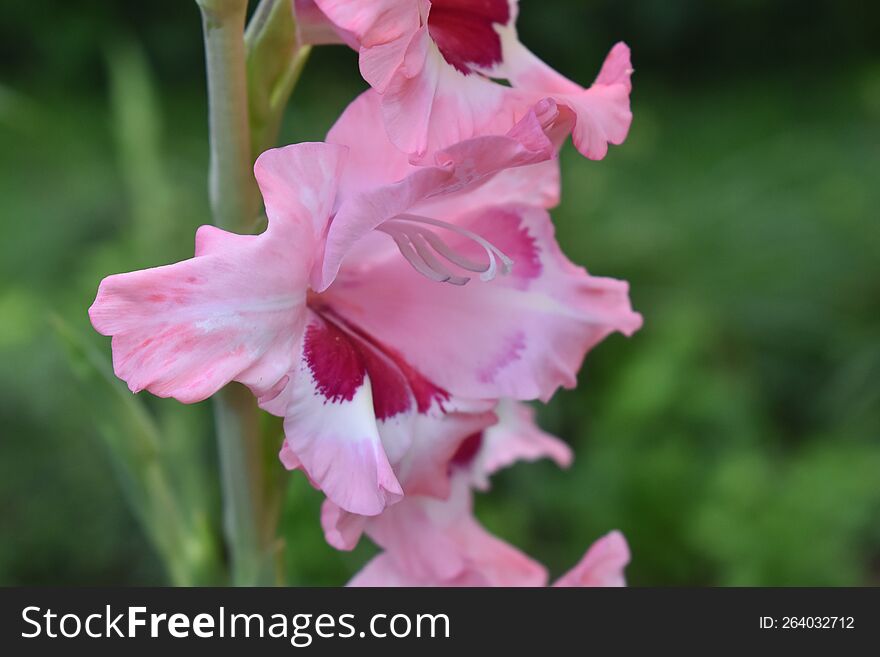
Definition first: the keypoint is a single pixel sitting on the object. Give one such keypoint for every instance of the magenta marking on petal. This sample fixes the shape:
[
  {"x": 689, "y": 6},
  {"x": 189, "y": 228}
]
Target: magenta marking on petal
[
  {"x": 390, "y": 390},
  {"x": 467, "y": 450},
  {"x": 510, "y": 352},
  {"x": 507, "y": 231},
  {"x": 336, "y": 365},
  {"x": 464, "y": 33},
  {"x": 339, "y": 357},
  {"x": 424, "y": 391}
]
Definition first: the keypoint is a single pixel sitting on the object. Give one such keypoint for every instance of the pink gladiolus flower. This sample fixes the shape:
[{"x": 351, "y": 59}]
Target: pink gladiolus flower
[
  {"x": 349, "y": 316},
  {"x": 433, "y": 542},
  {"x": 434, "y": 62}
]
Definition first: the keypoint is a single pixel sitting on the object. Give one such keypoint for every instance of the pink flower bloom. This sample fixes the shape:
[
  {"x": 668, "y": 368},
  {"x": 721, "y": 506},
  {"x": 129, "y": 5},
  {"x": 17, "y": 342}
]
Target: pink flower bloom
[
  {"x": 521, "y": 335},
  {"x": 341, "y": 317},
  {"x": 434, "y": 62},
  {"x": 433, "y": 542}
]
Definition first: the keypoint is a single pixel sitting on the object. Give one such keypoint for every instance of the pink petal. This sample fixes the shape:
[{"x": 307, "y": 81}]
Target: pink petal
[
  {"x": 373, "y": 21},
  {"x": 535, "y": 184},
  {"x": 602, "y": 112},
  {"x": 430, "y": 542},
  {"x": 520, "y": 336},
  {"x": 460, "y": 168},
  {"x": 330, "y": 422},
  {"x": 300, "y": 181},
  {"x": 425, "y": 468},
  {"x": 418, "y": 541},
  {"x": 380, "y": 63},
  {"x": 602, "y": 565},
  {"x": 383, "y": 571},
  {"x": 341, "y": 528},
  {"x": 288, "y": 458},
  {"x": 314, "y": 28},
  {"x": 428, "y": 105},
  {"x": 514, "y": 438},
  {"x": 380, "y": 29},
  {"x": 433, "y": 436},
  {"x": 186, "y": 330},
  {"x": 496, "y": 563},
  {"x": 372, "y": 160},
  {"x": 235, "y": 311}
]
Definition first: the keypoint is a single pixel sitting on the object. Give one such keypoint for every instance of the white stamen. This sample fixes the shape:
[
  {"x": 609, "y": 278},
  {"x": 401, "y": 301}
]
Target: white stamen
[
  {"x": 417, "y": 239},
  {"x": 416, "y": 244},
  {"x": 446, "y": 251},
  {"x": 403, "y": 244}
]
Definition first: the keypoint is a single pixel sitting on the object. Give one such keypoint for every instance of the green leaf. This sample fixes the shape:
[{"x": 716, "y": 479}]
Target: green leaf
[
  {"x": 184, "y": 541},
  {"x": 137, "y": 131}
]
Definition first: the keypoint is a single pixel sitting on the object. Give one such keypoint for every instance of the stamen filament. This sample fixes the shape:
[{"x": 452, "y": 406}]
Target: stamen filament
[
  {"x": 416, "y": 244},
  {"x": 446, "y": 251},
  {"x": 417, "y": 240},
  {"x": 404, "y": 244}
]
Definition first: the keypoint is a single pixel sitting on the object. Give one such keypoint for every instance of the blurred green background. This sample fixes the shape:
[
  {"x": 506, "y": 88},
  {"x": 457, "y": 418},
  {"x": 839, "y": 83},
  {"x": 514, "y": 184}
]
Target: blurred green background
[{"x": 735, "y": 439}]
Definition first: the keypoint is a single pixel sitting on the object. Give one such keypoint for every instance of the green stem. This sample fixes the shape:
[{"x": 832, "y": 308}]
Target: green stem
[
  {"x": 234, "y": 198},
  {"x": 248, "y": 513},
  {"x": 248, "y": 519}
]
